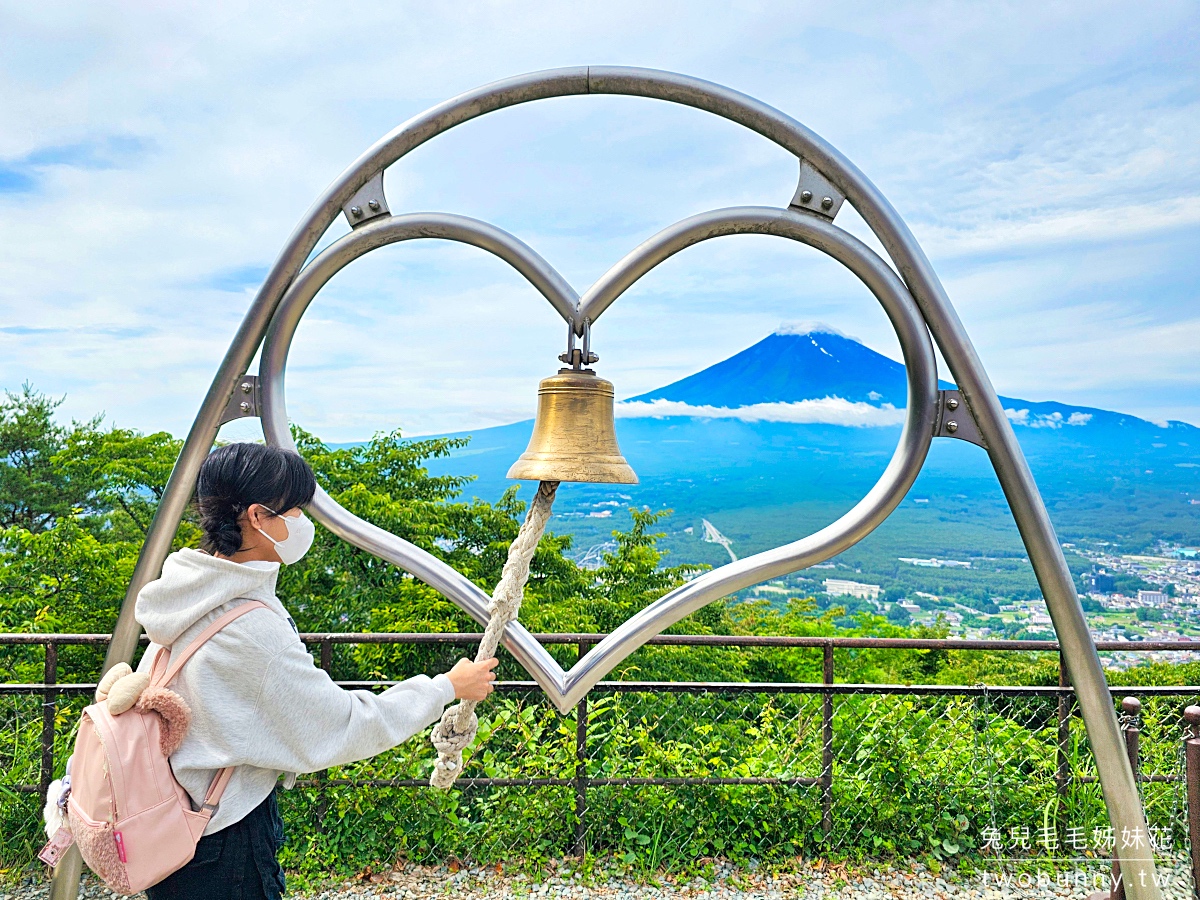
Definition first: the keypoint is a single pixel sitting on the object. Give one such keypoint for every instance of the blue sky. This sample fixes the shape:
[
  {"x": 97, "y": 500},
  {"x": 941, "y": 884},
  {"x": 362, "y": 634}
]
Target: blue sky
[{"x": 153, "y": 161}]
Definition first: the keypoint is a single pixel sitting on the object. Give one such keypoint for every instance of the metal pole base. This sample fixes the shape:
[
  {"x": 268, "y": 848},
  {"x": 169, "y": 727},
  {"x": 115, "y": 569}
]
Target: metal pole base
[{"x": 67, "y": 873}]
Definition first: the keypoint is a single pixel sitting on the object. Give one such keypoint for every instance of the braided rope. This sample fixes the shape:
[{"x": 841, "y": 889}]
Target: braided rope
[{"x": 454, "y": 733}]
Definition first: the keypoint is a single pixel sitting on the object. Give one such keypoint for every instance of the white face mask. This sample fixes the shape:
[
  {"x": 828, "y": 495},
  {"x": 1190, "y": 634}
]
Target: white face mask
[{"x": 300, "y": 537}]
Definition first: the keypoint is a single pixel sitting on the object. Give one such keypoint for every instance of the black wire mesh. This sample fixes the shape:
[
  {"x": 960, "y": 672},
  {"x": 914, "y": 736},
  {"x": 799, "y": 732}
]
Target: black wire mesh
[{"x": 666, "y": 774}]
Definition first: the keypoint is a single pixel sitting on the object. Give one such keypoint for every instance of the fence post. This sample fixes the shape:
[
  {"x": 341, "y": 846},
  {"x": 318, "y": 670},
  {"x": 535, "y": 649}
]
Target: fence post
[
  {"x": 49, "y": 712},
  {"x": 327, "y": 656},
  {"x": 323, "y": 775},
  {"x": 581, "y": 773},
  {"x": 1131, "y": 707},
  {"x": 1191, "y": 752},
  {"x": 1062, "y": 771},
  {"x": 827, "y": 742}
]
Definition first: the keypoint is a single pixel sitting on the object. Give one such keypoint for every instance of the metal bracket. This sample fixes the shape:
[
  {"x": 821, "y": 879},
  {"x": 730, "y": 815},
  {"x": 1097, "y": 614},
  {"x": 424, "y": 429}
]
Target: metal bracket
[
  {"x": 369, "y": 203},
  {"x": 244, "y": 402},
  {"x": 954, "y": 419},
  {"x": 578, "y": 359},
  {"x": 816, "y": 194}
]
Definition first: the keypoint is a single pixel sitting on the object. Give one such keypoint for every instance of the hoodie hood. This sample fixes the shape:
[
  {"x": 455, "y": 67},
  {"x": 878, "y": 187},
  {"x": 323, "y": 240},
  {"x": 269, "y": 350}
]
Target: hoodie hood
[{"x": 193, "y": 584}]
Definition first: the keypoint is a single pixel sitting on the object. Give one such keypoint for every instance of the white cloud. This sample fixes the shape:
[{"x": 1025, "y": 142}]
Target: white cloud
[
  {"x": 1046, "y": 420},
  {"x": 827, "y": 411},
  {"x": 1042, "y": 230},
  {"x": 1017, "y": 416}
]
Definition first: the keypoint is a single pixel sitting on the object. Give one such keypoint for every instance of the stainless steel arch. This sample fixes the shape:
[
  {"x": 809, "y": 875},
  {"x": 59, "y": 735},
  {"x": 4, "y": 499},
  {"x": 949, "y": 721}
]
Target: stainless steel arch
[{"x": 1083, "y": 663}]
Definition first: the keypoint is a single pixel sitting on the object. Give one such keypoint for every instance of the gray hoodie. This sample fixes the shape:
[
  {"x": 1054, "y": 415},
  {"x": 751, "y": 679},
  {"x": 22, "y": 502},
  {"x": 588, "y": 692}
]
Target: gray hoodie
[{"x": 258, "y": 701}]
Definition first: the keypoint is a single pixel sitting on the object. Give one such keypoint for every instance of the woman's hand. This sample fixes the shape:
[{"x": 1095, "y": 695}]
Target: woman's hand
[{"x": 472, "y": 680}]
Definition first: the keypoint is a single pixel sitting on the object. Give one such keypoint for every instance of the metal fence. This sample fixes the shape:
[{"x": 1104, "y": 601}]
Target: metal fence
[{"x": 652, "y": 770}]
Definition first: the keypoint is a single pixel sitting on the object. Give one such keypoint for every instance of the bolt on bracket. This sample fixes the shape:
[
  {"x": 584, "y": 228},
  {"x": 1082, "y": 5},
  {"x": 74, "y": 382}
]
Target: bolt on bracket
[
  {"x": 368, "y": 203},
  {"x": 816, "y": 194},
  {"x": 245, "y": 400},
  {"x": 954, "y": 419}
]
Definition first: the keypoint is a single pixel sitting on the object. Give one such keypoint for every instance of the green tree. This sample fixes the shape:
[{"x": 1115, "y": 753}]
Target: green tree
[
  {"x": 632, "y": 575},
  {"x": 113, "y": 478},
  {"x": 61, "y": 579},
  {"x": 124, "y": 473},
  {"x": 385, "y": 482},
  {"x": 34, "y": 491}
]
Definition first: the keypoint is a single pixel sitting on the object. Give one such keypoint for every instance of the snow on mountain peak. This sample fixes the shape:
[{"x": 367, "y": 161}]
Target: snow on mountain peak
[{"x": 803, "y": 328}]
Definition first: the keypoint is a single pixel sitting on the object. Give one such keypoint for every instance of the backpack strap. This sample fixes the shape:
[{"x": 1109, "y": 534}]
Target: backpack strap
[
  {"x": 177, "y": 663},
  {"x": 159, "y": 667},
  {"x": 213, "y": 798}
]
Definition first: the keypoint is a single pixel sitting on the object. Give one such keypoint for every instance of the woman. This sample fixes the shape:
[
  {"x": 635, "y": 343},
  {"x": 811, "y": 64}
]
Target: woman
[{"x": 258, "y": 702}]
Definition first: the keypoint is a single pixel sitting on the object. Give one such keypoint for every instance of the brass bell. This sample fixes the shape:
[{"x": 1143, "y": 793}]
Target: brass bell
[{"x": 574, "y": 435}]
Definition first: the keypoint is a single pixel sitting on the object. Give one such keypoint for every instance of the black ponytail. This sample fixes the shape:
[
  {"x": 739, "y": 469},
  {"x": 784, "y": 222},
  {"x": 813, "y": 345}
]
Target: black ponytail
[{"x": 236, "y": 476}]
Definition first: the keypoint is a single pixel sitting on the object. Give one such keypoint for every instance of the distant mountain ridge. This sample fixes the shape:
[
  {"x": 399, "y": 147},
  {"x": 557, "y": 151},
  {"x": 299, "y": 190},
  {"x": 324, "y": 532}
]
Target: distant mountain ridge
[
  {"x": 804, "y": 418},
  {"x": 790, "y": 367}
]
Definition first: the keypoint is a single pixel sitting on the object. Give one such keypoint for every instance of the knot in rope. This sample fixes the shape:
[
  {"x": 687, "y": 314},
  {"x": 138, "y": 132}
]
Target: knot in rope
[
  {"x": 458, "y": 725},
  {"x": 450, "y": 743}
]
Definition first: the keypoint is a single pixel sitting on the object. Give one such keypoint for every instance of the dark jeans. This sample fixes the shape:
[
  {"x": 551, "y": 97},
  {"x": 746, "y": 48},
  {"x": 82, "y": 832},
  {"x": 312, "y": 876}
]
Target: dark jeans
[{"x": 235, "y": 863}]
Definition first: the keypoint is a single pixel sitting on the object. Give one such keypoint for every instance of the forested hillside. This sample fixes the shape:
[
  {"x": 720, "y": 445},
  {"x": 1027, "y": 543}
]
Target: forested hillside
[{"x": 76, "y": 500}]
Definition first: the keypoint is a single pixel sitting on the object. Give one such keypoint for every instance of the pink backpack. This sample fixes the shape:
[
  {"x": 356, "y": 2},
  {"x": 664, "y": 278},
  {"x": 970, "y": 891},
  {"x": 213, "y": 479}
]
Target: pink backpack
[{"x": 133, "y": 822}]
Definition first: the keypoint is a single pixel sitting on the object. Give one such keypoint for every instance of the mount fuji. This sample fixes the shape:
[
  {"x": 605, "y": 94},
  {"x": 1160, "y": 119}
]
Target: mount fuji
[
  {"x": 789, "y": 366},
  {"x": 801, "y": 424}
]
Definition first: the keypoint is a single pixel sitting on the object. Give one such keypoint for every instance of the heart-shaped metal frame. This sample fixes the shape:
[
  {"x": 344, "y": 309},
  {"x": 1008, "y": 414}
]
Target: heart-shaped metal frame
[
  {"x": 916, "y": 303},
  {"x": 566, "y": 688}
]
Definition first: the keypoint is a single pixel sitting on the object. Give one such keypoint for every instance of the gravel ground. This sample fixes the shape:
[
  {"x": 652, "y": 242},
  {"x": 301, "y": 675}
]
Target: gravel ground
[{"x": 816, "y": 881}]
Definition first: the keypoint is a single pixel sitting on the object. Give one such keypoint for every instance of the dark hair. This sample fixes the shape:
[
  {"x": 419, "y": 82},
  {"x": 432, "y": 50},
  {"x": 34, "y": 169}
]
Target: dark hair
[{"x": 236, "y": 476}]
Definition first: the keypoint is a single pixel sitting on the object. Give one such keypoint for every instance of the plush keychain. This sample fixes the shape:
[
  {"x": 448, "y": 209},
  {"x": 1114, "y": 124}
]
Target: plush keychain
[
  {"x": 55, "y": 810},
  {"x": 121, "y": 687}
]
